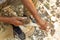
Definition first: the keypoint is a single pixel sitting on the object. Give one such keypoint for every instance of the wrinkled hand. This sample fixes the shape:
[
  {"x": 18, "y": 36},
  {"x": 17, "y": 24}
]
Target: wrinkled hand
[{"x": 16, "y": 20}]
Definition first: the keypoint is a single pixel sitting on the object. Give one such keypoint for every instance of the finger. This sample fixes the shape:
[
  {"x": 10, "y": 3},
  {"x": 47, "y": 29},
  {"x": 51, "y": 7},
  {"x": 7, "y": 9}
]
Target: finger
[
  {"x": 17, "y": 23},
  {"x": 20, "y": 18}
]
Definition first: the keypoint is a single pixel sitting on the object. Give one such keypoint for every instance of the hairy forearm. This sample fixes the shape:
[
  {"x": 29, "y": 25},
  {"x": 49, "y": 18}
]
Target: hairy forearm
[{"x": 29, "y": 4}]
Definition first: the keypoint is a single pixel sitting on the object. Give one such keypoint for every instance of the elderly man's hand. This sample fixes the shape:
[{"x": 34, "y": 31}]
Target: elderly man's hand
[
  {"x": 16, "y": 20},
  {"x": 13, "y": 20}
]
